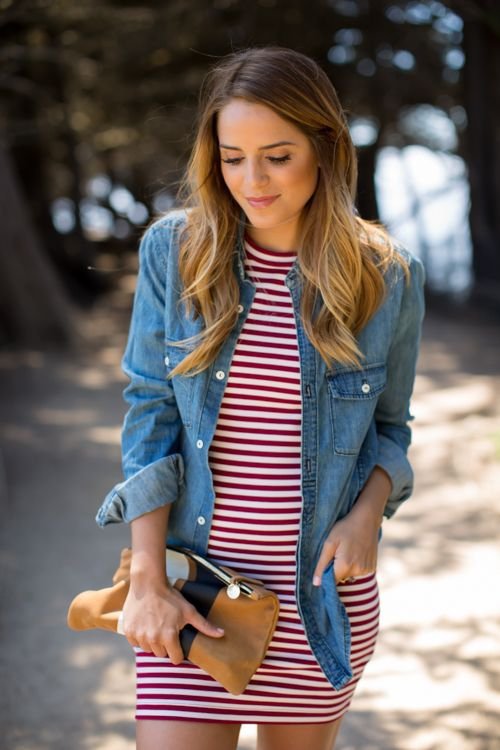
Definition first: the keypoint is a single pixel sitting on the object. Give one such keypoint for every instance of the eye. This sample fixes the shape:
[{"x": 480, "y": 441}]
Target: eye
[
  {"x": 235, "y": 160},
  {"x": 279, "y": 159}
]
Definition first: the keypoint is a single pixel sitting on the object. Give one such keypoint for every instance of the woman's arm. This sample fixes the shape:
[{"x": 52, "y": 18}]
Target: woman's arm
[
  {"x": 353, "y": 541},
  {"x": 152, "y": 464},
  {"x": 392, "y": 415},
  {"x": 154, "y": 613}
]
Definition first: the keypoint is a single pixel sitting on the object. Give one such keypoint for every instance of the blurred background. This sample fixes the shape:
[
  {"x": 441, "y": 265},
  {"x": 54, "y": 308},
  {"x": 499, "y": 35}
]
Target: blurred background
[{"x": 97, "y": 113}]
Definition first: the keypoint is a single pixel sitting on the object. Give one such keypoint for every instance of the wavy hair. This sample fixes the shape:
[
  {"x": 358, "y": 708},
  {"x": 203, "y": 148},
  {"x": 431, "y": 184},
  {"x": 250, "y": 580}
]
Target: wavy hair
[{"x": 342, "y": 258}]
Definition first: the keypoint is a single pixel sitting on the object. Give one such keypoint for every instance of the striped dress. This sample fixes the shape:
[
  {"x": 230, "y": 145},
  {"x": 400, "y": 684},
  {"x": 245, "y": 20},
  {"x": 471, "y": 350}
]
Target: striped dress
[{"x": 255, "y": 461}]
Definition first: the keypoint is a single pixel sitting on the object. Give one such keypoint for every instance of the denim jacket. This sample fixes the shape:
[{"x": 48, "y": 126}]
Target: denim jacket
[{"x": 352, "y": 420}]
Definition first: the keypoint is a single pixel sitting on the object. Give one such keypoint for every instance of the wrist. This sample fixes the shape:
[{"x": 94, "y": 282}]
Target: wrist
[
  {"x": 145, "y": 568},
  {"x": 369, "y": 511},
  {"x": 146, "y": 585},
  {"x": 373, "y": 497}
]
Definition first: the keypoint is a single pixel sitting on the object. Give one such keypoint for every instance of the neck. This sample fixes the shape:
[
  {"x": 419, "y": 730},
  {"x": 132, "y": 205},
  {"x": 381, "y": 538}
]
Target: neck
[{"x": 279, "y": 239}]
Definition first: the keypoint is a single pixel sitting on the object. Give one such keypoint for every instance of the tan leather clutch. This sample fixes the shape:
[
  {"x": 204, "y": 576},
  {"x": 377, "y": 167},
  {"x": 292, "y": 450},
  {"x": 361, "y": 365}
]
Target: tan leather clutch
[{"x": 246, "y": 611}]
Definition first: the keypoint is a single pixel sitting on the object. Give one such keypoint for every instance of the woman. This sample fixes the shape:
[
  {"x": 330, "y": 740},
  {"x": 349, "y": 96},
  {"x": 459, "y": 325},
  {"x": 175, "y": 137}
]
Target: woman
[{"x": 271, "y": 359}]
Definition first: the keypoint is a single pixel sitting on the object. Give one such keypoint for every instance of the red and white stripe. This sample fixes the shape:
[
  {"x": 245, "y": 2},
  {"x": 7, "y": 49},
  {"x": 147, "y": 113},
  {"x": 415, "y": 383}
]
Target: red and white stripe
[{"x": 255, "y": 461}]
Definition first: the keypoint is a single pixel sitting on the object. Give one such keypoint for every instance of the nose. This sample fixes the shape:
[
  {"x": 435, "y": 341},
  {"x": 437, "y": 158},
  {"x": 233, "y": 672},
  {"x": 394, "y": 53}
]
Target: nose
[{"x": 256, "y": 173}]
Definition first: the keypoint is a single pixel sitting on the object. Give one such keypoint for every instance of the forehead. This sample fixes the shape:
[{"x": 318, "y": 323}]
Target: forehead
[{"x": 252, "y": 122}]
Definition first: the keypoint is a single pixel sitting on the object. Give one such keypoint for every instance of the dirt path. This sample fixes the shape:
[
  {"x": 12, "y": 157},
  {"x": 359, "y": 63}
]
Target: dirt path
[{"x": 434, "y": 681}]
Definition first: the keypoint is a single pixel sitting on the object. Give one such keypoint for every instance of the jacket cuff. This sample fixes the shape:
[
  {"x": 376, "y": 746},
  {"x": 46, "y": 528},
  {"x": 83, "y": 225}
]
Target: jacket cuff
[
  {"x": 155, "y": 485},
  {"x": 395, "y": 462}
]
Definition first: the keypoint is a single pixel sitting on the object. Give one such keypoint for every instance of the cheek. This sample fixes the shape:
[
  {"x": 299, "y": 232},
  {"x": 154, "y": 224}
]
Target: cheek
[
  {"x": 231, "y": 180},
  {"x": 313, "y": 180},
  {"x": 305, "y": 180}
]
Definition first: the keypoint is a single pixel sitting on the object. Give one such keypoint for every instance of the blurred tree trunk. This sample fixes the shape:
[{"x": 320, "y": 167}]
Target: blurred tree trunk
[
  {"x": 32, "y": 156},
  {"x": 367, "y": 155},
  {"x": 34, "y": 310},
  {"x": 482, "y": 102},
  {"x": 367, "y": 195}
]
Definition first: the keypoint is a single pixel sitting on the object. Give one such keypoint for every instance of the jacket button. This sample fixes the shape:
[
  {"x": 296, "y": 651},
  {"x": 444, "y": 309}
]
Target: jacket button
[
  {"x": 199, "y": 443},
  {"x": 220, "y": 375},
  {"x": 240, "y": 308},
  {"x": 201, "y": 521},
  {"x": 167, "y": 360},
  {"x": 366, "y": 388}
]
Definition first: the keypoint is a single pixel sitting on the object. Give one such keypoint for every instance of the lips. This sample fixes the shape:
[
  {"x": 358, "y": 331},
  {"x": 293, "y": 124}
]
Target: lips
[{"x": 266, "y": 200}]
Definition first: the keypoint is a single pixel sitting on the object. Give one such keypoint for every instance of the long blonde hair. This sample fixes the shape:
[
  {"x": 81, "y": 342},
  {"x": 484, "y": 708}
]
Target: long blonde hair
[{"x": 341, "y": 257}]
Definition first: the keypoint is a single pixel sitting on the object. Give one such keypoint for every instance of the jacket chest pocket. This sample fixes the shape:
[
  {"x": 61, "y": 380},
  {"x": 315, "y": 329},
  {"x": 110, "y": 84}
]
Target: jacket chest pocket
[
  {"x": 182, "y": 385},
  {"x": 353, "y": 398}
]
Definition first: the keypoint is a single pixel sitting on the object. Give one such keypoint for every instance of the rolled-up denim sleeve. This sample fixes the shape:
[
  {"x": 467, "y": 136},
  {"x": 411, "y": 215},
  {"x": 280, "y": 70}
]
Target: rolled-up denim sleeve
[
  {"x": 152, "y": 464},
  {"x": 392, "y": 415}
]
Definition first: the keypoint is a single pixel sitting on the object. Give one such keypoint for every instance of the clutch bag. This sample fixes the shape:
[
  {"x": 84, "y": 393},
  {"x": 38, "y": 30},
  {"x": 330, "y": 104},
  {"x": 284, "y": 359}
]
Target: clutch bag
[{"x": 242, "y": 606}]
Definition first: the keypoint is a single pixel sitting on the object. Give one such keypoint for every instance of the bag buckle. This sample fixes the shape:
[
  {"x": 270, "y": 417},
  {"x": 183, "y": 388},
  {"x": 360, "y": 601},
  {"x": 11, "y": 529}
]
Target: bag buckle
[{"x": 233, "y": 590}]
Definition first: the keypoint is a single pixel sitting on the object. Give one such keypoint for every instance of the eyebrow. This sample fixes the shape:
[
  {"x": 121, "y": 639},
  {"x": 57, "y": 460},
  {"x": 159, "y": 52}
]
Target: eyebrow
[{"x": 261, "y": 148}]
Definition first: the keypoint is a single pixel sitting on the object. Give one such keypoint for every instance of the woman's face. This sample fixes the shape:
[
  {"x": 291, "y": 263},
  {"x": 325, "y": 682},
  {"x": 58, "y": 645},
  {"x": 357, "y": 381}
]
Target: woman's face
[{"x": 270, "y": 169}]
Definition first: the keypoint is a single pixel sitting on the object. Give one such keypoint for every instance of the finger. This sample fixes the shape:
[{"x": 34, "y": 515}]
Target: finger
[
  {"x": 163, "y": 646},
  {"x": 203, "y": 625},
  {"x": 144, "y": 645},
  {"x": 325, "y": 559},
  {"x": 145, "y": 641},
  {"x": 131, "y": 638},
  {"x": 159, "y": 650},
  {"x": 174, "y": 650}
]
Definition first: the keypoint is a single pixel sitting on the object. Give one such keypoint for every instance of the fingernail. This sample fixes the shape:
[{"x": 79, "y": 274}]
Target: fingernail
[
  {"x": 220, "y": 630},
  {"x": 317, "y": 581}
]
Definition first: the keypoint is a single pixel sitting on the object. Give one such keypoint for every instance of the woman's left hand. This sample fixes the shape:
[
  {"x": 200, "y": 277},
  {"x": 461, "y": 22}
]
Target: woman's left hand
[{"x": 352, "y": 543}]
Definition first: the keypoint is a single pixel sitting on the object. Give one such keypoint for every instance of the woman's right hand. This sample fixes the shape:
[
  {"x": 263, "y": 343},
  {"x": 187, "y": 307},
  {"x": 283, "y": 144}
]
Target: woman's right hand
[{"x": 154, "y": 615}]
